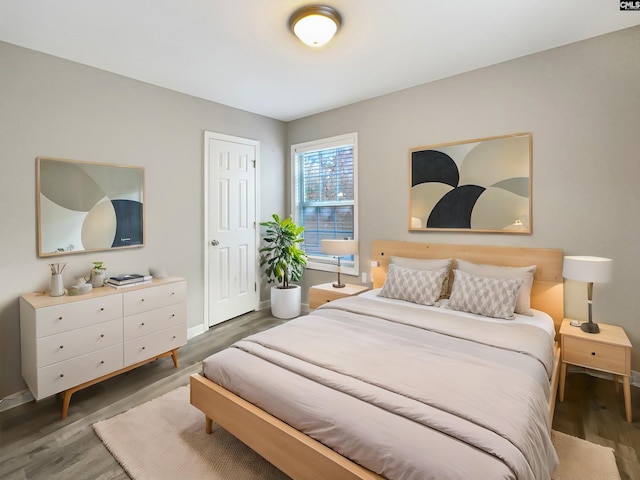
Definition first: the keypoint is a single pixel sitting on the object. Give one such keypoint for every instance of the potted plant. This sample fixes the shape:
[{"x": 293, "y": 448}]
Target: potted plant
[
  {"x": 283, "y": 261},
  {"x": 98, "y": 271}
]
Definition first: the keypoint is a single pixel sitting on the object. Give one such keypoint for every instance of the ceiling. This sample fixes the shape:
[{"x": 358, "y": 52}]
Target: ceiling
[{"x": 240, "y": 52}]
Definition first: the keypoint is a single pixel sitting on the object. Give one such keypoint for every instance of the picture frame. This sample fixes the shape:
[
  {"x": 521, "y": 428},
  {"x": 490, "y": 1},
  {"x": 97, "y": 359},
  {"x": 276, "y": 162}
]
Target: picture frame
[
  {"x": 88, "y": 206},
  {"x": 480, "y": 185}
]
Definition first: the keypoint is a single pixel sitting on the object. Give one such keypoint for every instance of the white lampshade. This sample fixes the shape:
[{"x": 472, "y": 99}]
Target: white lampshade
[
  {"x": 315, "y": 25},
  {"x": 588, "y": 269},
  {"x": 339, "y": 248}
]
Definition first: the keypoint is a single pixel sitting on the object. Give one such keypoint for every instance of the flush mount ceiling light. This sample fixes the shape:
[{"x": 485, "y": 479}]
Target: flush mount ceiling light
[{"x": 315, "y": 25}]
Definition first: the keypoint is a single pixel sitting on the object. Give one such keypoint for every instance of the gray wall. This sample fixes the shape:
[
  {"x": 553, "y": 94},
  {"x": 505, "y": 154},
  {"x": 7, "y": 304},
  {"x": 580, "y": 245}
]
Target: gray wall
[
  {"x": 56, "y": 108},
  {"x": 581, "y": 103}
]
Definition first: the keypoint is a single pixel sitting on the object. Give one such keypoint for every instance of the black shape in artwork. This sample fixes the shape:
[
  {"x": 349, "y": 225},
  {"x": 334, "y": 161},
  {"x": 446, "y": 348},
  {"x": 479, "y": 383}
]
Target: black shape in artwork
[
  {"x": 454, "y": 209},
  {"x": 128, "y": 223},
  {"x": 433, "y": 166}
]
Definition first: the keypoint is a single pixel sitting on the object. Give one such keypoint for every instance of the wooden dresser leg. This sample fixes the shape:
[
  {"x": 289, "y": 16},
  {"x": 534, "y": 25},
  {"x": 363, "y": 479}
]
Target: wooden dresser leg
[
  {"x": 66, "y": 399},
  {"x": 174, "y": 356}
]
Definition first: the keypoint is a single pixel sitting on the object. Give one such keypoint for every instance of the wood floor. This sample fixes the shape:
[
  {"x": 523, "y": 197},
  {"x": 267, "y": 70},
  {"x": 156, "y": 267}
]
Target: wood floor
[{"x": 35, "y": 443}]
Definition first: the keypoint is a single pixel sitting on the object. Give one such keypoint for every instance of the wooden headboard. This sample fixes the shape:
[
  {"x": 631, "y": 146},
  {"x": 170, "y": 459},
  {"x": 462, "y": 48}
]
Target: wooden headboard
[{"x": 547, "y": 293}]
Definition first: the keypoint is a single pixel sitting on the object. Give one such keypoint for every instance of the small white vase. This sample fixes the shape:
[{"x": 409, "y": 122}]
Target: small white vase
[
  {"x": 56, "y": 287},
  {"x": 97, "y": 279}
]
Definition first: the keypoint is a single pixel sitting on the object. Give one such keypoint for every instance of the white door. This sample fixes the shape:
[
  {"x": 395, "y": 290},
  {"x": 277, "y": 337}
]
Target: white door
[{"x": 230, "y": 227}]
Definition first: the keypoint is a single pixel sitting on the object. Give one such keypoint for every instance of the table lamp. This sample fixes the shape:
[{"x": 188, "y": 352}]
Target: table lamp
[
  {"x": 339, "y": 248},
  {"x": 591, "y": 270}
]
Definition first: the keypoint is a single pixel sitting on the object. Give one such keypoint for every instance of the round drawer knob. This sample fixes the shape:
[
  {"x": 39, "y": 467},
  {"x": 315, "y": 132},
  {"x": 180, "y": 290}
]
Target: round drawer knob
[
  {"x": 142, "y": 324},
  {"x": 142, "y": 300},
  {"x": 61, "y": 346},
  {"x": 102, "y": 309},
  {"x": 102, "y": 335},
  {"x": 101, "y": 362},
  {"x": 61, "y": 375},
  {"x": 59, "y": 318},
  {"x": 593, "y": 353},
  {"x": 173, "y": 338},
  {"x": 144, "y": 348},
  {"x": 173, "y": 314}
]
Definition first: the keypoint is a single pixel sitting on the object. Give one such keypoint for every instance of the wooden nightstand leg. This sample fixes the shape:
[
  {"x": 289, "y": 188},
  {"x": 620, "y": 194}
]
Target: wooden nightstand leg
[
  {"x": 617, "y": 379},
  {"x": 563, "y": 378},
  {"x": 627, "y": 397}
]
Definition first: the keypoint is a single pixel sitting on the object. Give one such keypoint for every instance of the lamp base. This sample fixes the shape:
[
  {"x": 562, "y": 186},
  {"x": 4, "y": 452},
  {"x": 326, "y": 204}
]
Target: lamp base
[
  {"x": 590, "y": 327},
  {"x": 341, "y": 285}
]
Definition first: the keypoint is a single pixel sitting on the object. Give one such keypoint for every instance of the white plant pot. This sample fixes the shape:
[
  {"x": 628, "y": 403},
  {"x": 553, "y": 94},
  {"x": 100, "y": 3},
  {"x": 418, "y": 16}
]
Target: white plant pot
[{"x": 286, "y": 302}]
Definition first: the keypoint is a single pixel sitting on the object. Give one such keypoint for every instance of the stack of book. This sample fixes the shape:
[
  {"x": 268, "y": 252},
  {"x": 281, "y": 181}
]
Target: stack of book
[{"x": 128, "y": 280}]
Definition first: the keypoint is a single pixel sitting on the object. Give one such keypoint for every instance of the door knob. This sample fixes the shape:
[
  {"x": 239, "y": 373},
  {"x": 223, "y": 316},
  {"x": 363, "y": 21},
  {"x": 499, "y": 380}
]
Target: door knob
[{"x": 215, "y": 243}]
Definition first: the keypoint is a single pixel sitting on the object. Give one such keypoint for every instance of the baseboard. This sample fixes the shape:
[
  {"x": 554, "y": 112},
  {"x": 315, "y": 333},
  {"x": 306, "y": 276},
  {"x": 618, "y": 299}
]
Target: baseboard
[
  {"x": 195, "y": 331},
  {"x": 15, "y": 400}
]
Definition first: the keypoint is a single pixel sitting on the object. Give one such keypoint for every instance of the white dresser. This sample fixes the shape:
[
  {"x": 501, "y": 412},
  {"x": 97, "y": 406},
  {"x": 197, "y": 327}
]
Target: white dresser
[{"x": 71, "y": 342}]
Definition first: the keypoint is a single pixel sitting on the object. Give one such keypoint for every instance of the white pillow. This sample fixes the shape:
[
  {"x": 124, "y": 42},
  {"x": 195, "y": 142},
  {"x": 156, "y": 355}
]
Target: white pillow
[
  {"x": 426, "y": 264},
  {"x": 523, "y": 305},
  {"x": 491, "y": 297},
  {"x": 415, "y": 286}
]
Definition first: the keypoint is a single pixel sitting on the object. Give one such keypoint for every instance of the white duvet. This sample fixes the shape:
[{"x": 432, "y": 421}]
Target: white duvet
[{"x": 406, "y": 394}]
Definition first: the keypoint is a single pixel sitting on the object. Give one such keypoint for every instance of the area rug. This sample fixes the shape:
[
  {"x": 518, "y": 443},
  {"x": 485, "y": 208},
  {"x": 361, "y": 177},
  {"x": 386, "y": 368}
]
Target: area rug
[{"x": 165, "y": 439}]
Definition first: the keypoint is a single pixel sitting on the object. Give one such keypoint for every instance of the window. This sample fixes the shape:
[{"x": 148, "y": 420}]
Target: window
[{"x": 325, "y": 196}]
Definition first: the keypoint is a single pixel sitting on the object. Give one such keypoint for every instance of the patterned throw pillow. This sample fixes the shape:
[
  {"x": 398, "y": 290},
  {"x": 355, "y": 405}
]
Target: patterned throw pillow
[
  {"x": 523, "y": 304},
  {"x": 415, "y": 286},
  {"x": 491, "y": 297},
  {"x": 426, "y": 264}
]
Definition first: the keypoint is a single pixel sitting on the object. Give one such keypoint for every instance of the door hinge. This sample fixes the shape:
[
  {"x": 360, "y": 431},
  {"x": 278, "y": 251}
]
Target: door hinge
[
  {"x": 255, "y": 286},
  {"x": 254, "y": 163}
]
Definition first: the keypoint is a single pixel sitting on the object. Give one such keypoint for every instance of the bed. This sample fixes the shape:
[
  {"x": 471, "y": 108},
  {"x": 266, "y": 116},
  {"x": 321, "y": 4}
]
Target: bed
[{"x": 431, "y": 414}]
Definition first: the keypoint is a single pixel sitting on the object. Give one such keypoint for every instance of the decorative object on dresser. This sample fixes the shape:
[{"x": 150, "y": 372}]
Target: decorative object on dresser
[
  {"x": 339, "y": 248},
  {"x": 324, "y": 293},
  {"x": 56, "y": 285},
  {"x": 608, "y": 352},
  {"x": 69, "y": 343},
  {"x": 283, "y": 261},
  {"x": 128, "y": 280},
  {"x": 98, "y": 274},
  {"x": 591, "y": 270}
]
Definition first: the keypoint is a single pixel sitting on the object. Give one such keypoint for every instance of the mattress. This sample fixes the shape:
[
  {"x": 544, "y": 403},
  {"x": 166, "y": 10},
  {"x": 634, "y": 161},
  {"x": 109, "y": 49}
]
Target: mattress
[{"x": 409, "y": 393}]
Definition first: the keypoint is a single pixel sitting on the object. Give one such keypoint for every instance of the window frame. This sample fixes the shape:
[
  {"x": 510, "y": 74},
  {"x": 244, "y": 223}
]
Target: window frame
[{"x": 328, "y": 263}]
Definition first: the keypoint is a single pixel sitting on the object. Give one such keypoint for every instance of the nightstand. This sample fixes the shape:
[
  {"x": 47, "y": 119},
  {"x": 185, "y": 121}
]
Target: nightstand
[
  {"x": 326, "y": 292},
  {"x": 608, "y": 351}
]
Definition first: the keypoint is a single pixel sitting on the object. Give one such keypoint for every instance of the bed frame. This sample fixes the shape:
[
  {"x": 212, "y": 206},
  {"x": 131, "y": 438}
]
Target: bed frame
[{"x": 302, "y": 457}]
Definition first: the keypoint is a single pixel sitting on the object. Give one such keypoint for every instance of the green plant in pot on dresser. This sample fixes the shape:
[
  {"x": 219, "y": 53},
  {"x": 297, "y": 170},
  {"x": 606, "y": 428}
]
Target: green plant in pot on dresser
[{"x": 284, "y": 262}]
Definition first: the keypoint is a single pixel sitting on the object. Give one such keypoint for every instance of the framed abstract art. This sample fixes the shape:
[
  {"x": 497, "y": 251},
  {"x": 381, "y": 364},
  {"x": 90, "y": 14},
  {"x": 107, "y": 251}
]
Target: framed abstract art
[
  {"x": 481, "y": 185},
  {"x": 85, "y": 206}
]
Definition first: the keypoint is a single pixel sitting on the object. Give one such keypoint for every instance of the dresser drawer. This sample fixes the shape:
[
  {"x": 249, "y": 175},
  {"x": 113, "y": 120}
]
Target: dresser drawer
[
  {"x": 598, "y": 355},
  {"x": 145, "y": 299},
  {"x": 63, "y": 375},
  {"x": 149, "y": 346},
  {"x": 63, "y": 346},
  {"x": 72, "y": 315},
  {"x": 155, "y": 320}
]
